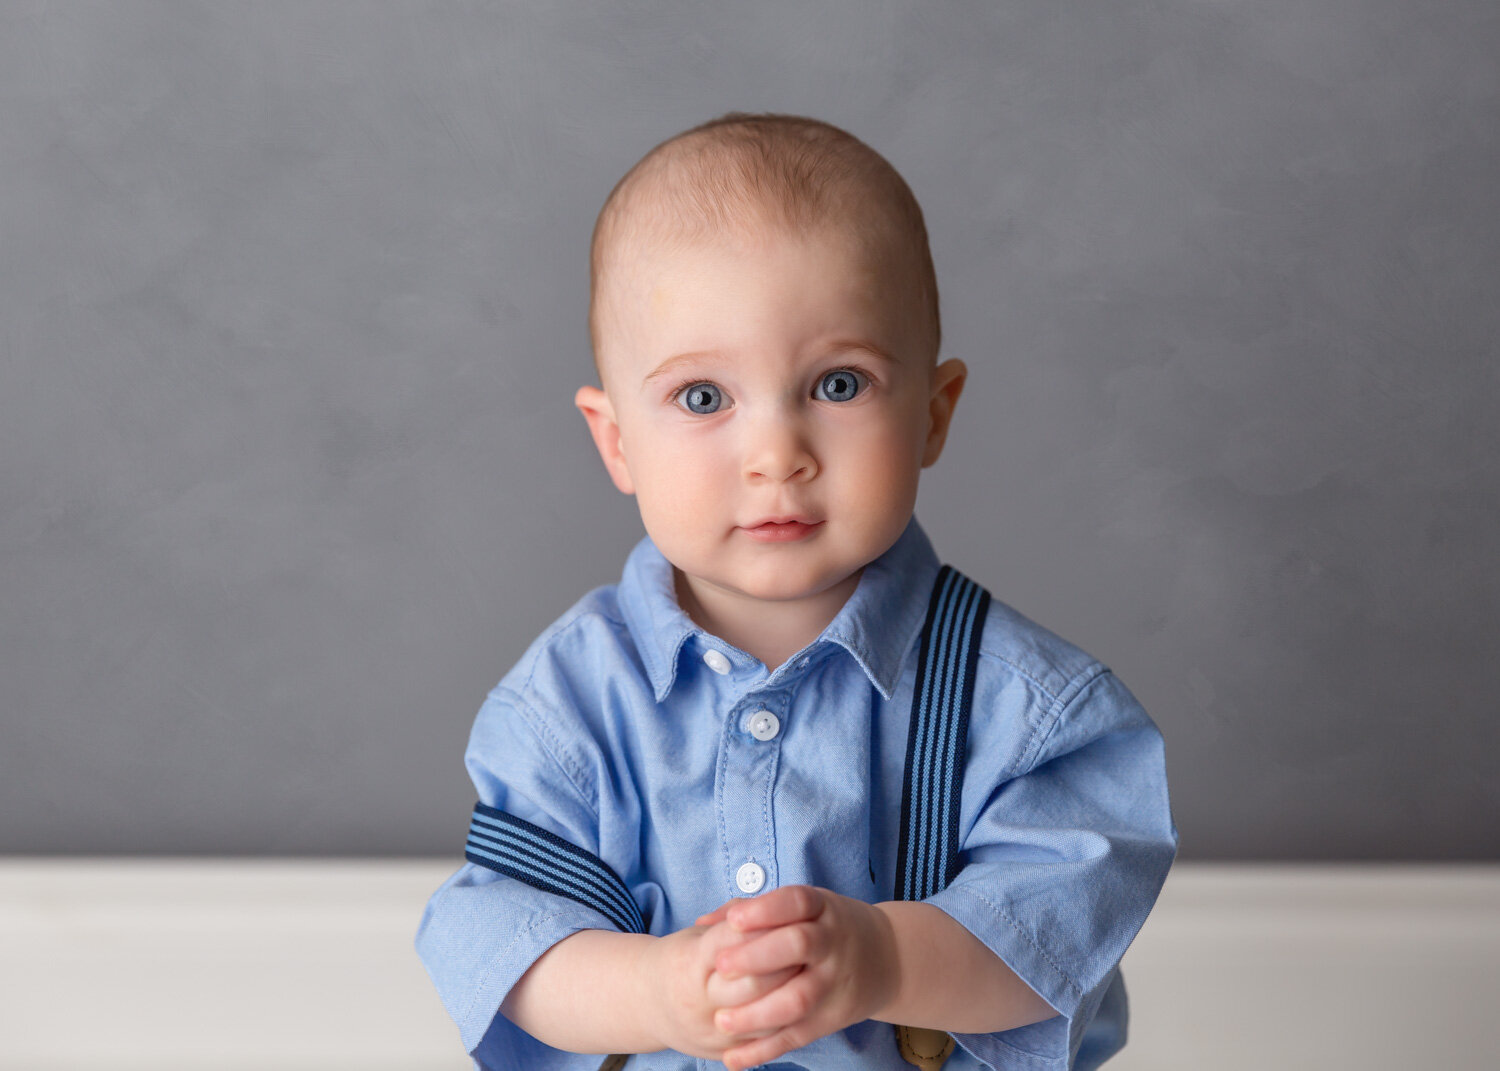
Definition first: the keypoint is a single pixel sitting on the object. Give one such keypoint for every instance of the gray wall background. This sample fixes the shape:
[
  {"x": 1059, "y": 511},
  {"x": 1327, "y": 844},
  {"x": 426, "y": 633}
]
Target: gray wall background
[{"x": 292, "y": 304}]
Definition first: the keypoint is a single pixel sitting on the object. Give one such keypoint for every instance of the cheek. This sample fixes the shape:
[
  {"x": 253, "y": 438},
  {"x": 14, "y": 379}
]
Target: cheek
[
  {"x": 679, "y": 474},
  {"x": 891, "y": 446},
  {"x": 878, "y": 469}
]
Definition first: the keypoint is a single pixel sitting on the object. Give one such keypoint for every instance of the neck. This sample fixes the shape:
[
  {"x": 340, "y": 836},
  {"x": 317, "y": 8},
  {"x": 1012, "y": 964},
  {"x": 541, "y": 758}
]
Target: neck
[{"x": 771, "y": 631}]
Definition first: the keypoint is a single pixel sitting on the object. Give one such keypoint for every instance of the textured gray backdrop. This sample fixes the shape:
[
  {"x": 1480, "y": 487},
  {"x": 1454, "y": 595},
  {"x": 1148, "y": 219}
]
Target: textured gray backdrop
[{"x": 292, "y": 309}]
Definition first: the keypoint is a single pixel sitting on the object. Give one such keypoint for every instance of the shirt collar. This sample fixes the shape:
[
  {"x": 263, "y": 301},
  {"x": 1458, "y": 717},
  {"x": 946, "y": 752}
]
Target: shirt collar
[{"x": 876, "y": 626}]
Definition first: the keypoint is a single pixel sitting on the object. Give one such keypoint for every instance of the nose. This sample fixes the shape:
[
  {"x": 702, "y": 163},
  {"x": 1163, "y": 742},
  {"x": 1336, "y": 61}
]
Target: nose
[{"x": 778, "y": 451}]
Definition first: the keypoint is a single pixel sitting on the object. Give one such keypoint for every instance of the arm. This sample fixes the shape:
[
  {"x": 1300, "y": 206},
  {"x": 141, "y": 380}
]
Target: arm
[
  {"x": 605, "y": 991},
  {"x": 948, "y": 979},
  {"x": 584, "y": 995}
]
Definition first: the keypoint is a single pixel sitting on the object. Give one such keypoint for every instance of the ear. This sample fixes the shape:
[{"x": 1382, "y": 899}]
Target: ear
[
  {"x": 597, "y": 409},
  {"x": 947, "y": 384}
]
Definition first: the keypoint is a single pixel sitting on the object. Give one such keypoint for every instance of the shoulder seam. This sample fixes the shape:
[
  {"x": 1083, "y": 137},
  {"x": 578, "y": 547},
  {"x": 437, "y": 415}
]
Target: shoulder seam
[
  {"x": 551, "y": 745},
  {"x": 1080, "y": 682},
  {"x": 576, "y": 615},
  {"x": 559, "y": 754},
  {"x": 562, "y": 627},
  {"x": 998, "y": 657}
]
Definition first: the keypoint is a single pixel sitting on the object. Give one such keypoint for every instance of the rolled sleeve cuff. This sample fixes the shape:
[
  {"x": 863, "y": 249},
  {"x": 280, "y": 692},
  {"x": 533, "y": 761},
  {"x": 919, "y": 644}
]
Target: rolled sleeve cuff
[
  {"x": 1050, "y": 1043},
  {"x": 480, "y": 933},
  {"x": 513, "y": 961}
]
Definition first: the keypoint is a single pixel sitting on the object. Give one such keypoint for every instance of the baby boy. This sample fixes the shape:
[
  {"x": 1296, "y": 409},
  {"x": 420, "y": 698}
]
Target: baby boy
[{"x": 703, "y": 790}]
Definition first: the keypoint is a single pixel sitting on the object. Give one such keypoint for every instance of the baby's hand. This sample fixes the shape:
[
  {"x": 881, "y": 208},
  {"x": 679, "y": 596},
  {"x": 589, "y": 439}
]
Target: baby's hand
[
  {"x": 686, "y": 991},
  {"x": 842, "y": 955}
]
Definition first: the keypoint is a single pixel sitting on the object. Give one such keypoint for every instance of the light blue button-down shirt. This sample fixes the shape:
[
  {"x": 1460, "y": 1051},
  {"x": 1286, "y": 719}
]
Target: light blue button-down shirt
[{"x": 630, "y": 732}]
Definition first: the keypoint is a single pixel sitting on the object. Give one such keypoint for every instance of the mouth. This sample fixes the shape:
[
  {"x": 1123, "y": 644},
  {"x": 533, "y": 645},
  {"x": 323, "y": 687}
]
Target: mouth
[{"x": 782, "y": 529}]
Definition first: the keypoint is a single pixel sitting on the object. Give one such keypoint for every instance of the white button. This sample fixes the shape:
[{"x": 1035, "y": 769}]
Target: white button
[
  {"x": 717, "y": 662},
  {"x": 764, "y": 725},
  {"x": 750, "y": 878}
]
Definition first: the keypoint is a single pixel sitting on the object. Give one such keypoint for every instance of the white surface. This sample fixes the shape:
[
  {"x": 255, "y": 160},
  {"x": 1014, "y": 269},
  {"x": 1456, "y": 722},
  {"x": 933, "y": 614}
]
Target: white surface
[
  {"x": 241, "y": 964},
  {"x": 1321, "y": 968},
  {"x": 223, "y": 964}
]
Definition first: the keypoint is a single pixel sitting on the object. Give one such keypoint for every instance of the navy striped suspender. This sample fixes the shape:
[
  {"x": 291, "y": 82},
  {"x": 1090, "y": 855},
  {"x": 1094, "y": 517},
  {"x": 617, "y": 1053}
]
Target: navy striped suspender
[
  {"x": 928, "y": 853},
  {"x": 936, "y": 746},
  {"x": 927, "y": 858},
  {"x": 518, "y": 849}
]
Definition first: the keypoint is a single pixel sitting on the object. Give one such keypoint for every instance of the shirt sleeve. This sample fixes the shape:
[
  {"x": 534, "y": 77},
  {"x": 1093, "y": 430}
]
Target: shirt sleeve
[
  {"x": 1062, "y": 863},
  {"x": 482, "y": 930}
]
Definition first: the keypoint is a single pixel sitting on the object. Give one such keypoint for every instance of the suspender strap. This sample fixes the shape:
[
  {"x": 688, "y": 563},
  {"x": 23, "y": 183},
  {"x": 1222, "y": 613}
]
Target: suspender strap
[
  {"x": 927, "y": 858},
  {"x": 507, "y": 844},
  {"x": 936, "y": 746}
]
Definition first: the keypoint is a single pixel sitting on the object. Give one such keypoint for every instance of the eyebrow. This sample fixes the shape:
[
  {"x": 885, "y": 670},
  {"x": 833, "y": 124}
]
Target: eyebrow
[
  {"x": 681, "y": 359},
  {"x": 864, "y": 345},
  {"x": 840, "y": 345}
]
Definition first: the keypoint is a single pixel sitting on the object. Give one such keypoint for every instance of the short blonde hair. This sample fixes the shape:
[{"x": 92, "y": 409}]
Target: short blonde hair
[{"x": 742, "y": 171}]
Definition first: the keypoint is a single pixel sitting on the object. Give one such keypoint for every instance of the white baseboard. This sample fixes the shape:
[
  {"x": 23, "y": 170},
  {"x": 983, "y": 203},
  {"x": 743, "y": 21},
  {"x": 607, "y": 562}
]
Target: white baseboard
[
  {"x": 223, "y": 964},
  {"x": 229, "y": 964},
  {"x": 1361, "y": 967}
]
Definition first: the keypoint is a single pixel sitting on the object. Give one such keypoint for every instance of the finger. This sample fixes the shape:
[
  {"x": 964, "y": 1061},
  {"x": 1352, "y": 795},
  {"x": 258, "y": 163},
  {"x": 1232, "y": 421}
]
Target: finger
[
  {"x": 732, "y": 992},
  {"x": 752, "y": 1037},
  {"x": 718, "y": 938},
  {"x": 784, "y": 1006},
  {"x": 763, "y": 1050},
  {"x": 772, "y": 950},
  {"x": 791, "y": 903}
]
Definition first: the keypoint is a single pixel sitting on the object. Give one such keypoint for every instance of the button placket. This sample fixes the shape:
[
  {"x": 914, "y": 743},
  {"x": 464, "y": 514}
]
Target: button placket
[{"x": 752, "y": 749}]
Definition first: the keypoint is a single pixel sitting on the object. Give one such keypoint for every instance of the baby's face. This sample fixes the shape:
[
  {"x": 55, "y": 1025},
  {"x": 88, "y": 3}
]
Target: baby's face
[{"x": 770, "y": 405}]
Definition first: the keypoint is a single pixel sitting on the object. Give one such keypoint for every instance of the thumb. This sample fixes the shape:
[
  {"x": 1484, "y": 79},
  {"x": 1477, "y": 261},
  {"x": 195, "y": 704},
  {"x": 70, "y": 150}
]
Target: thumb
[{"x": 717, "y": 915}]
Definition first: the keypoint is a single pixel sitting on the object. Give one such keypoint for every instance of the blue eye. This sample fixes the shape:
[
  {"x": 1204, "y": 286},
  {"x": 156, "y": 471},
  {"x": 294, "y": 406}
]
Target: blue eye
[
  {"x": 701, "y": 398},
  {"x": 839, "y": 386}
]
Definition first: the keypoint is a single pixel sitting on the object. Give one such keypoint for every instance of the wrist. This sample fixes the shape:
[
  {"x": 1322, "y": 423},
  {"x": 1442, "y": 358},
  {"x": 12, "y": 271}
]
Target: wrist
[
  {"x": 888, "y": 965},
  {"x": 647, "y": 996}
]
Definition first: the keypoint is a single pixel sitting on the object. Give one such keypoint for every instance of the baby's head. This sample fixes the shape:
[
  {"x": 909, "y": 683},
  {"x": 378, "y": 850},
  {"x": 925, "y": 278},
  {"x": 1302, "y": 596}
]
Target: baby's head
[
  {"x": 764, "y": 317},
  {"x": 743, "y": 176}
]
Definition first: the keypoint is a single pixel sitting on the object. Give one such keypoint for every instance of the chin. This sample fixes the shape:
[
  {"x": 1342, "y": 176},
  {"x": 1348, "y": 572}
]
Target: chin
[
  {"x": 784, "y": 585},
  {"x": 778, "y": 593}
]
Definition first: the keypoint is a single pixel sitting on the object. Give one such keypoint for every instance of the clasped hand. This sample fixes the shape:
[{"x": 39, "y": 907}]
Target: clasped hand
[{"x": 758, "y": 978}]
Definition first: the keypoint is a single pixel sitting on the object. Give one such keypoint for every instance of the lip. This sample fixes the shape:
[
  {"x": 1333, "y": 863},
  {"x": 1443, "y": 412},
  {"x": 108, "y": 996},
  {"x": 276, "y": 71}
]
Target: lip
[{"x": 781, "y": 529}]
